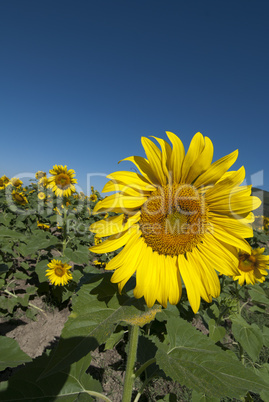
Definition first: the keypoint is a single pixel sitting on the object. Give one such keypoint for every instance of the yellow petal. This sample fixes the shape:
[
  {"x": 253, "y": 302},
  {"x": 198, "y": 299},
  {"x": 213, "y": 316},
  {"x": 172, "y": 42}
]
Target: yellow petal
[
  {"x": 125, "y": 189},
  {"x": 216, "y": 170},
  {"x": 120, "y": 258},
  {"x": 192, "y": 284},
  {"x": 231, "y": 239},
  {"x": 119, "y": 203},
  {"x": 132, "y": 179},
  {"x": 202, "y": 163},
  {"x": 223, "y": 187},
  {"x": 144, "y": 167},
  {"x": 165, "y": 155},
  {"x": 114, "y": 225},
  {"x": 154, "y": 156},
  {"x": 238, "y": 227},
  {"x": 114, "y": 242},
  {"x": 195, "y": 149},
  {"x": 177, "y": 156}
]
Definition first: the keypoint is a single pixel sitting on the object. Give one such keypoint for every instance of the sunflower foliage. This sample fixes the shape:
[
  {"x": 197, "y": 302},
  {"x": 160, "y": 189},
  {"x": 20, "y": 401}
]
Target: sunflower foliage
[{"x": 215, "y": 349}]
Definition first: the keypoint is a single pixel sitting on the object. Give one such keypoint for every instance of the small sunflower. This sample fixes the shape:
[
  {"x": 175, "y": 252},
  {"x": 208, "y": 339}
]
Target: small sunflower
[
  {"x": 15, "y": 182},
  {"x": 43, "y": 226},
  {"x": 41, "y": 195},
  {"x": 39, "y": 174},
  {"x": 181, "y": 217},
  {"x": 93, "y": 197},
  {"x": 62, "y": 181},
  {"x": 19, "y": 197},
  {"x": 4, "y": 180},
  {"x": 252, "y": 267},
  {"x": 58, "y": 273}
]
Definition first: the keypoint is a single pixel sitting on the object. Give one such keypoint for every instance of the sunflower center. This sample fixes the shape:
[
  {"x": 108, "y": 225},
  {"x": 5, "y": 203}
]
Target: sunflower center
[
  {"x": 59, "y": 271},
  {"x": 62, "y": 180},
  {"x": 247, "y": 263},
  {"x": 174, "y": 219}
]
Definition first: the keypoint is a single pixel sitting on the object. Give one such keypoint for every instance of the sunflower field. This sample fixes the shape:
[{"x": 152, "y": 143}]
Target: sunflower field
[{"x": 170, "y": 272}]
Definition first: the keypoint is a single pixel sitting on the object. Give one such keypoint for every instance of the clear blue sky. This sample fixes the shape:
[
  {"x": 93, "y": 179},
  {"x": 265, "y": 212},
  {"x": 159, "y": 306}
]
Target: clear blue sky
[{"x": 82, "y": 81}]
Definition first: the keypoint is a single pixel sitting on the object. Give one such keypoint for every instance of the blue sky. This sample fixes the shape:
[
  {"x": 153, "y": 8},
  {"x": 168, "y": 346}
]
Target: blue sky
[{"x": 82, "y": 81}]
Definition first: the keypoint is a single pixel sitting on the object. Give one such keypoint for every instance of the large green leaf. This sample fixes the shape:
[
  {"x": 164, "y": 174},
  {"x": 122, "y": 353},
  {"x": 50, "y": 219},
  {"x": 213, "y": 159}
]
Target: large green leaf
[
  {"x": 193, "y": 360},
  {"x": 97, "y": 309},
  {"x": 248, "y": 335},
  {"x": 10, "y": 353},
  {"x": 258, "y": 294},
  {"x": 69, "y": 385},
  {"x": 38, "y": 241},
  {"x": 80, "y": 256},
  {"x": 5, "y": 232}
]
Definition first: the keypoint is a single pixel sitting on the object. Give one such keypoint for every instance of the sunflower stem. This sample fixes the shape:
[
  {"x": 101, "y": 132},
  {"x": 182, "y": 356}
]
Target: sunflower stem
[
  {"x": 131, "y": 359},
  {"x": 64, "y": 232}
]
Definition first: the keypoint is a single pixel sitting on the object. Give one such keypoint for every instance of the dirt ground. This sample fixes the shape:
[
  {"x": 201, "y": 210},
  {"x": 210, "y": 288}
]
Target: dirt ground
[{"x": 34, "y": 337}]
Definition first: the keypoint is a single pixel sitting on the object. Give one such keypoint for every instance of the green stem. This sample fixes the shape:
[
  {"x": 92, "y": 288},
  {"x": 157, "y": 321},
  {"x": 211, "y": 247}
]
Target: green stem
[
  {"x": 30, "y": 304},
  {"x": 144, "y": 366},
  {"x": 131, "y": 359},
  {"x": 64, "y": 232},
  {"x": 98, "y": 395}
]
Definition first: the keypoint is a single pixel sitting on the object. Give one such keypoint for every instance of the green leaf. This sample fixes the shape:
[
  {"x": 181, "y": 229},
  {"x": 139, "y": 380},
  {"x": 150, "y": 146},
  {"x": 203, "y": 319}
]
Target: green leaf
[
  {"x": 10, "y": 353},
  {"x": 80, "y": 256},
  {"x": 216, "y": 332},
  {"x": 248, "y": 335},
  {"x": 265, "y": 333},
  {"x": 40, "y": 269},
  {"x": 258, "y": 294},
  {"x": 5, "y": 232},
  {"x": 97, "y": 310},
  {"x": 200, "y": 397},
  {"x": 114, "y": 338},
  {"x": 193, "y": 360},
  {"x": 263, "y": 372},
  {"x": 69, "y": 385}
]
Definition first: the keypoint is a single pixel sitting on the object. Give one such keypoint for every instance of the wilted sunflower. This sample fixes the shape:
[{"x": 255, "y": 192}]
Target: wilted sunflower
[
  {"x": 181, "y": 217},
  {"x": 62, "y": 181},
  {"x": 4, "y": 180},
  {"x": 252, "y": 267},
  {"x": 58, "y": 272},
  {"x": 19, "y": 198}
]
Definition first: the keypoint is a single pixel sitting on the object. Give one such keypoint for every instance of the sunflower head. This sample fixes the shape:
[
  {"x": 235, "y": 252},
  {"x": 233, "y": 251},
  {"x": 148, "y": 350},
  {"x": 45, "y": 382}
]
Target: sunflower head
[
  {"x": 41, "y": 195},
  {"x": 252, "y": 268},
  {"x": 58, "y": 273},
  {"x": 93, "y": 197},
  {"x": 62, "y": 181},
  {"x": 15, "y": 182},
  {"x": 19, "y": 197},
  {"x": 39, "y": 174},
  {"x": 4, "y": 180},
  {"x": 180, "y": 218}
]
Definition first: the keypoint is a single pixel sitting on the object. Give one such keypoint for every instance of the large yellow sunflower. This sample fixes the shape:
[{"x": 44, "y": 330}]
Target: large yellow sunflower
[
  {"x": 62, "y": 181},
  {"x": 181, "y": 217},
  {"x": 58, "y": 272},
  {"x": 252, "y": 267}
]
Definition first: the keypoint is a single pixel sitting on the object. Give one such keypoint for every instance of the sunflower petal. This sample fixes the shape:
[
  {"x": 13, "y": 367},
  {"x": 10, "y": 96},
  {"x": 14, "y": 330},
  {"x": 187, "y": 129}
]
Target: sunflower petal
[{"x": 155, "y": 159}]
